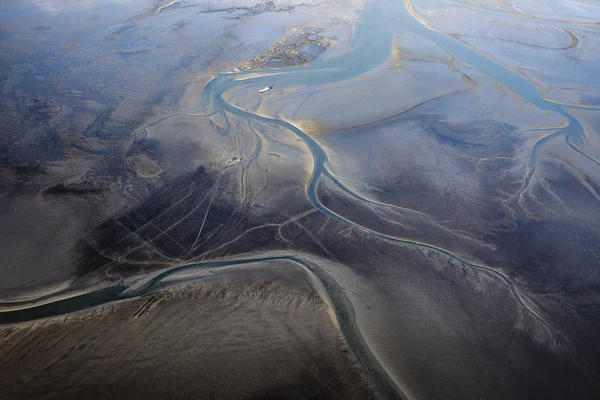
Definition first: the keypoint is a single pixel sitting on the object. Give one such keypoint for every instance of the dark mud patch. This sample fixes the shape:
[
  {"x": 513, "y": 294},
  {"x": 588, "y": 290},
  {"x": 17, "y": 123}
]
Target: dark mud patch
[
  {"x": 162, "y": 229},
  {"x": 78, "y": 188},
  {"x": 24, "y": 171}
]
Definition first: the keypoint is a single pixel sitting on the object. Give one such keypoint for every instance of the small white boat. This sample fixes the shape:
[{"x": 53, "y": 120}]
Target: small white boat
[{"x": 266, "y": 89}]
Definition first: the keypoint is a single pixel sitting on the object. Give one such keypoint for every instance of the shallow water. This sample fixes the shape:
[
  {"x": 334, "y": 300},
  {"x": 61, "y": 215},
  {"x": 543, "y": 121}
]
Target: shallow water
[{"x": 432, "y": 190}]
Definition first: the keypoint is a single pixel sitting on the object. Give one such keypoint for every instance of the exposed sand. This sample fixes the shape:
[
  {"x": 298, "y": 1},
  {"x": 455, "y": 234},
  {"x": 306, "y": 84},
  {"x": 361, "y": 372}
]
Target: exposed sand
[
  {"x": 262, "y": 332},
  {"x": 420, "y": 187}
]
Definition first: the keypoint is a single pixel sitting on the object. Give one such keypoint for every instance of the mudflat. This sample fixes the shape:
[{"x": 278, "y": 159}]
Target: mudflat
[{"x": 409, "y": 211}]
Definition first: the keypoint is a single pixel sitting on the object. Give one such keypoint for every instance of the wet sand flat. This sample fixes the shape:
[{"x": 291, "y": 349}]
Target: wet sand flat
[
  {"x": 262, "y": 332},
  {"x": 409, "y": 211}
]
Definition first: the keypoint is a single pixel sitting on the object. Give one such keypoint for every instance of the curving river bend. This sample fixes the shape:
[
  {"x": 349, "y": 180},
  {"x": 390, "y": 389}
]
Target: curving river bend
[{"x": 370, "y": 47}]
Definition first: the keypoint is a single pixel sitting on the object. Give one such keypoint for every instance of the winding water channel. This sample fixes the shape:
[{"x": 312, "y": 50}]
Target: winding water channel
[{"x": 370, "y": 46}]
